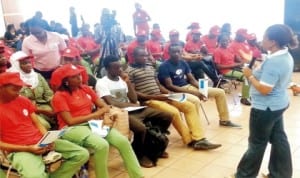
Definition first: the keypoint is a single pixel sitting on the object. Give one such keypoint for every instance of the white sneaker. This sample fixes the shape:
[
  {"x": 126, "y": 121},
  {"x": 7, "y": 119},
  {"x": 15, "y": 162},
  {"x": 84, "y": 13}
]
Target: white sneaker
[{"x": 52, "y": 157}]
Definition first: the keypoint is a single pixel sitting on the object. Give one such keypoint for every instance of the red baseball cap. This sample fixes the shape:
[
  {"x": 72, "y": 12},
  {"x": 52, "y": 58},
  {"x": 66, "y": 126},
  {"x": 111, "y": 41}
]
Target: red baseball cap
[
  {"x": 141, "y": 33},
  {"x": 62, "y": 72},
  {"x": 12, "y": 78},
  {"x": 173, "y": 32},
  {"x": 251, "y": 36},
  {"x": 215, "y": 30},
  {"x": 242, "y": 32},
  {"x": 196, "y": 31},
  {"x": 156, "y": 33},
  {"x": 71, "y": 52},
  {"x": 194, "y": 25}
]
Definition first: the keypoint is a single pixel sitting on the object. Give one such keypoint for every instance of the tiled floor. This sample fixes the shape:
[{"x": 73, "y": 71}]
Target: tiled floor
[{"x": 187, "y": 163}]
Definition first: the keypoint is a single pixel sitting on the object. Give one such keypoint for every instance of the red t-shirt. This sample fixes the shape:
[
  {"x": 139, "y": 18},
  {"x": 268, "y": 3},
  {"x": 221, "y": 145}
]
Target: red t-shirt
[
  {"x": 166, "y": 55},
  {"x": 211, "y": 44},
  {"x": 255, "y": 52},
  {"x": 87, "y": 43},
  {"x": 142, "y": 17},
  {"x": 79, "y": 103},
  {"x": 193, "y": 47},
  {"x": 224, "y": 57},
  {"x": 236, "y": 46},
  {"x": 131, "y": 48},
  {"x": 155, "y": 48},
  {"x": 189, "y": 36},
  {"x": 16, "y": 126}
]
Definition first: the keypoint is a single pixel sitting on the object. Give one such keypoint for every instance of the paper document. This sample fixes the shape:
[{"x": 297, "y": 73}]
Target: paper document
[
  {"x": 50, "y": 137},
  {"x": 134, "y": 108},
  {"x": 180, "y": 97},
  {"x": 98, "y": 128}
]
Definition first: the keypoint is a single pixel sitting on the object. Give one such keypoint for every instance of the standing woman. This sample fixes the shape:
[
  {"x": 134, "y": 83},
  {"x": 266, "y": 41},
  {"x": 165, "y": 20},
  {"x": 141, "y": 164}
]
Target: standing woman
[
  {"x": 73, "y": 103},
  {"x": 45, "y": 46},
  {"x": 270, "y": 99}
]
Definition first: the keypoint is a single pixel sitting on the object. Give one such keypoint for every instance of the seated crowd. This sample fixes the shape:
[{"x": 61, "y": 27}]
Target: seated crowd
[{"x": 58, "y": 88}]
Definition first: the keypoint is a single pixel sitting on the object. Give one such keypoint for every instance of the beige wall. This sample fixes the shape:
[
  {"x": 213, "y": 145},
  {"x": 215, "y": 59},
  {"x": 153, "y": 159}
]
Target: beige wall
[{"x": 12, "y": 12}]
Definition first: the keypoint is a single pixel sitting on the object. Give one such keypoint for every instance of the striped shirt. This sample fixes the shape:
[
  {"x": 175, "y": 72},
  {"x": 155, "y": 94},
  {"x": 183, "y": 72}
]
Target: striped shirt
[{"x": 144, "y": 79}]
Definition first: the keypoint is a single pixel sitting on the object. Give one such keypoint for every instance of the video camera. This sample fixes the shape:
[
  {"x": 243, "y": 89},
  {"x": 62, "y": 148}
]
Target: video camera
[{"x": 108, "y": 19}]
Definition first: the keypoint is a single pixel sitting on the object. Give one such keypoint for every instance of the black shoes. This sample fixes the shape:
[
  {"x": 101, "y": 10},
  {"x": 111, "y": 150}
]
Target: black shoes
[
  {"x": 245, "y": 101},
  {"x": 203, "y": 144},
  {"x": 229, "y": 124},
  {"x": 146, "y": 162}
]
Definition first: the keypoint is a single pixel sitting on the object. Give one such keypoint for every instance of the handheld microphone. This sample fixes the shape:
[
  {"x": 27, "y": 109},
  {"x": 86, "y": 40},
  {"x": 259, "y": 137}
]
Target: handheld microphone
[{"x": 252, "y": 63}]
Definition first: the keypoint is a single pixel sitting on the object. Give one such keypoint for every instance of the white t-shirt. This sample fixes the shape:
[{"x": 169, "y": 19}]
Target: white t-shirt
[{"x": 117, "y": 89}]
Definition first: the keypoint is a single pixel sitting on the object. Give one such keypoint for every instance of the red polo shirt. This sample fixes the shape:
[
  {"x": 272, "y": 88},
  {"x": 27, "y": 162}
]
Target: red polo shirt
[
  {"x": 188, "y": 36},
  {"x": 87, "y": 43},
  {"x": 79, "y": 103},
  {"x": 210, "y": 43},
  {"x": 131, "y": 48},
  {"x": 236, "y": 46},
  {"x": 224, "y": 57},
  {"x": 155, "y": 49},
  {"x": 16, "y": 126},
  {"x": 193, "y": 47},
  {"x": 255, "y": 52}
]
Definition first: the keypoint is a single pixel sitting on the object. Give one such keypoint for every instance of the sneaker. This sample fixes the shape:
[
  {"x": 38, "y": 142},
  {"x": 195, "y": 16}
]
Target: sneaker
[
  {"x": 229, "y": 124},
  {"x": 146, "y": 162},
  {"x": 245, "y": 101},
  {"x": 204, "y": 144}
]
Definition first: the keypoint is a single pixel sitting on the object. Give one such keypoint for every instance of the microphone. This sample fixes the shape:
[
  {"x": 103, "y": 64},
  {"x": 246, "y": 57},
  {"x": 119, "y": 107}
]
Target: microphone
[{"x": 252, "y": 63}]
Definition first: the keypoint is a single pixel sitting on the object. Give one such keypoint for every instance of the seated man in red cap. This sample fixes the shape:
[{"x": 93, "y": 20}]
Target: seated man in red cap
[
  {"x": 155, "y": 47},
  {"x": 20, "y": 132},
  {"x": 203, "y": 62},
  {"x": 193, "y": 26},
  {"x": 255, "y": 47},
  {"x": 211, "y": 39},
  {"x": 141, "y": 38}
]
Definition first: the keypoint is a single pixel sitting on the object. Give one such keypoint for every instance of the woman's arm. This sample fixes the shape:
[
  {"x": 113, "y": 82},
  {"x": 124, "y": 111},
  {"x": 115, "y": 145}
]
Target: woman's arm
[{"x": 263, "y": 89}]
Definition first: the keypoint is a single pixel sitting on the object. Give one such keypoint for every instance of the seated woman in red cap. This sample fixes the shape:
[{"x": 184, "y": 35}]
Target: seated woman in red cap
[
  {"x": 39, "y": 91},
  {"x": 21, "y": 131},
  {"x": 74, "y": 102}
]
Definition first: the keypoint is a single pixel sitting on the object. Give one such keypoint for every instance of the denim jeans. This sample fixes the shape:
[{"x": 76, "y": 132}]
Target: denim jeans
[{"x": 266, "y": 126}]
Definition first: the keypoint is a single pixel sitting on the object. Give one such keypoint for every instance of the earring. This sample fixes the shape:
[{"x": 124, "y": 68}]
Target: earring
[{"x": 67, "y": 83}]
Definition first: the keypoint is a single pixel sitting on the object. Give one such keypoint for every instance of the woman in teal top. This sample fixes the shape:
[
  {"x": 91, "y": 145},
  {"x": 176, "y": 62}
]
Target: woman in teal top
[
  {"x": 270, "y": 99},
  {"x": 39, "y": 91}
]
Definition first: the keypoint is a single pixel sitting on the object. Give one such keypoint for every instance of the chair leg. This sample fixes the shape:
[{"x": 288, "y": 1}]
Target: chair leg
[{"x": 204, "y": 114}]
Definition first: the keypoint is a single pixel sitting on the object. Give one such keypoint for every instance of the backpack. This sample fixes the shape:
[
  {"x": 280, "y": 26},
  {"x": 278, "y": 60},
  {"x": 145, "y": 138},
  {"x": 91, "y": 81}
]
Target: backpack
[{"x": 155, "y": 143}]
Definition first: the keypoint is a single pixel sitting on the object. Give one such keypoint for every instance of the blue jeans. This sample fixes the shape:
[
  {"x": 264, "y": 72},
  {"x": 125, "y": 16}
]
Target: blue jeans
[{"x": 266, "y": 126}]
